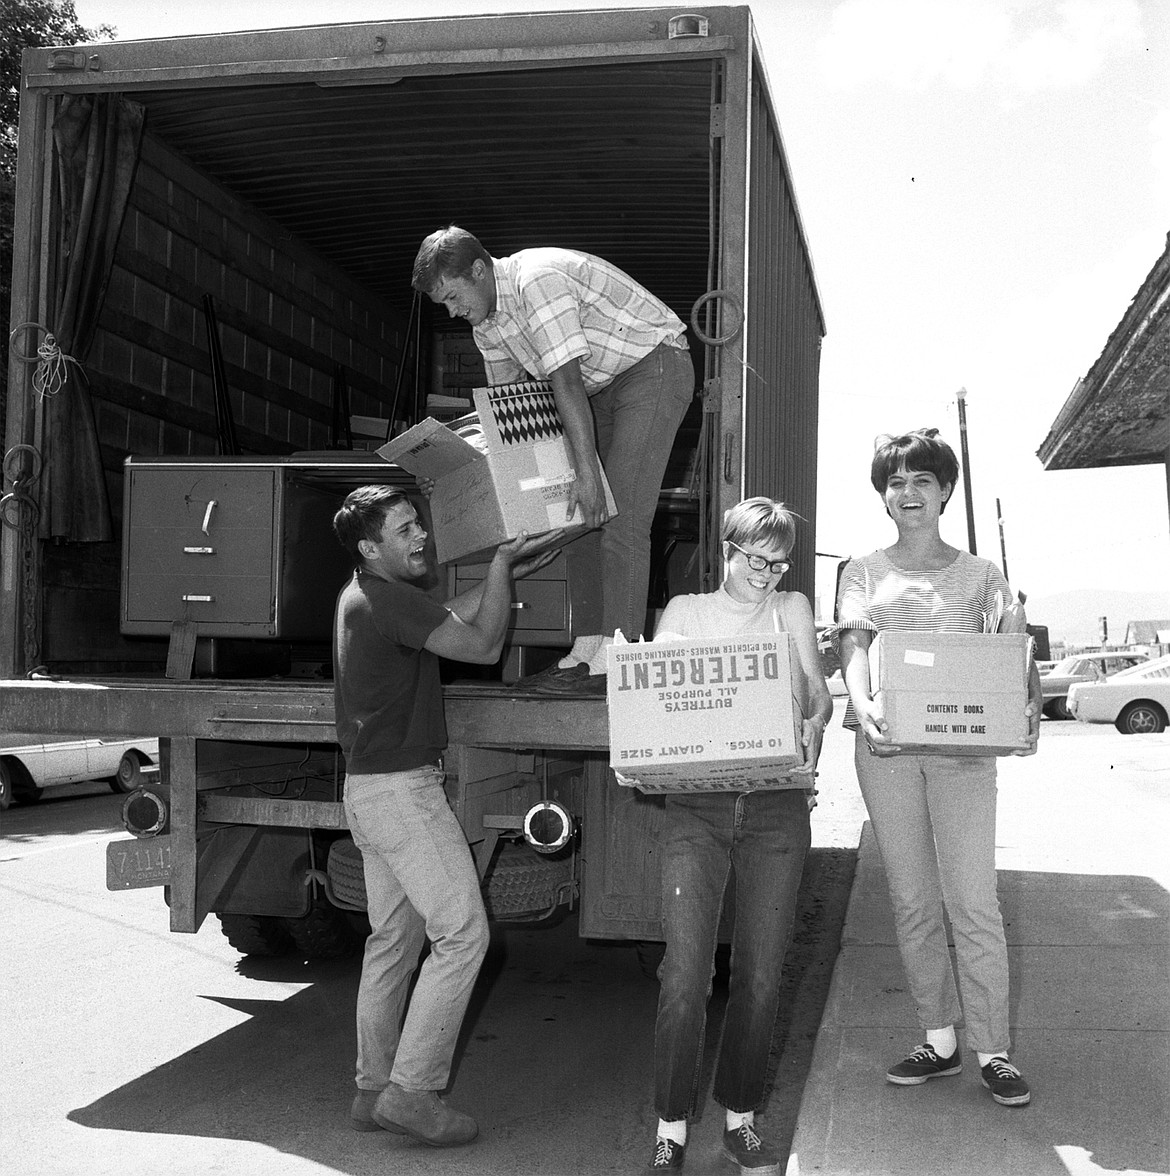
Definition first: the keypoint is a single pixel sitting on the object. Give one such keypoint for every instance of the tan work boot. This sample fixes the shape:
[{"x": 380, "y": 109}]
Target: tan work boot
[
  {"x": 361, "y": 1114},
  {"x": 424, "y": 1116}
]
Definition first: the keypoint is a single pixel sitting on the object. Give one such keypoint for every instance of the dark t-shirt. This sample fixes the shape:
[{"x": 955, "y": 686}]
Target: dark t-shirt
[{"x": 386, "y": 686}]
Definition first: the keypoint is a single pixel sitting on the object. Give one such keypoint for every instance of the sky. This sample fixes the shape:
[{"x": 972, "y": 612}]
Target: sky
[{"x": 984, "y": 186}]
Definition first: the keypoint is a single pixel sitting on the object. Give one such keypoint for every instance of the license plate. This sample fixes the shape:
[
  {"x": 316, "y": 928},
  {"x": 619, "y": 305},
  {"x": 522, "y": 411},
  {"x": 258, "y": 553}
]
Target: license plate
[{"x": 138, "y": 862}]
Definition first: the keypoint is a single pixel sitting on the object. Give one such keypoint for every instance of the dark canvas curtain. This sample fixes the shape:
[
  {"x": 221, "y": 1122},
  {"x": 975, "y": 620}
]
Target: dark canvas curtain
[{"x": 97, "y": 137}]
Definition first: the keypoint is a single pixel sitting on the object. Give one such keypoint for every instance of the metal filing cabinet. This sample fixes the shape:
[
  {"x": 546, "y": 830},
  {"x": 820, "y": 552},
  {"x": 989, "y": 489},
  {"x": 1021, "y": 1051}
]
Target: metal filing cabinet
[
  {"x": 541, "y": 610},
  {"x": 240, "y": 547}
]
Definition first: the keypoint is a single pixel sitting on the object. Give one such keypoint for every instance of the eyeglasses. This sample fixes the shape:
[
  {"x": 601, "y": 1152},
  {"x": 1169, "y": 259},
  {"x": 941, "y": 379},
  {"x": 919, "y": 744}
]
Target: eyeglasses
[{"x": 758, "y": 563}]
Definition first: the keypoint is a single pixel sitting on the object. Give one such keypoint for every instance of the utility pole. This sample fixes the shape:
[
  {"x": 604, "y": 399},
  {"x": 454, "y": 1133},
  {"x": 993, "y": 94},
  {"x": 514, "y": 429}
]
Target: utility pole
[
  {"x": 962, "y": 398},
  {"x": 1002, "y": 545}
]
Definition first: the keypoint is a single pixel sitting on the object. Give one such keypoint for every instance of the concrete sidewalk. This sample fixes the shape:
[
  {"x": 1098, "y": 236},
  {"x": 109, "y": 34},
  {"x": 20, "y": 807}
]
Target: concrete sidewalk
[{"x": 1084, "y": 874}]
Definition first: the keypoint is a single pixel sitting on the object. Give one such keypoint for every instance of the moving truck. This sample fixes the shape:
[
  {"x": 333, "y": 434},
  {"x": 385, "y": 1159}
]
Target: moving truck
[{"x": 216, "y": 329}]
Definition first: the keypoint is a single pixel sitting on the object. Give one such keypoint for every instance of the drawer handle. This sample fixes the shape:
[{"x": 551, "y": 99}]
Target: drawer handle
[
  {"x": 198, "y": 550},
  {"x": 518, "y": 604},
  {"x": 207, "y": 516},
  {"x": 189, "y": 598}
]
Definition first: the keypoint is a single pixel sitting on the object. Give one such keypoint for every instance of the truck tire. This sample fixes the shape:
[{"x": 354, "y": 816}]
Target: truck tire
[
  {"x": 523, "y": 885},
  {"x": 324, "y": 933},
  {"x": 256, "y": 935},
  {"x": 346, "y": 873}
]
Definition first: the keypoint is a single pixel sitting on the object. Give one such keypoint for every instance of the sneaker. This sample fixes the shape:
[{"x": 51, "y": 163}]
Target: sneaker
[
  {"x": 1004, "y": 1081},
  {"x": 923, "y": 1064},
  {"x": 668, "y": 1156},
  {"x": 747, "y": 1149}
]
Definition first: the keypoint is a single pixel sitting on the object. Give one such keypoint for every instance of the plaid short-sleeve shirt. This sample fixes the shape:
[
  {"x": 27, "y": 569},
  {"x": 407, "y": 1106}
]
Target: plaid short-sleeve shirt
[{"x": 556, "y": 305}]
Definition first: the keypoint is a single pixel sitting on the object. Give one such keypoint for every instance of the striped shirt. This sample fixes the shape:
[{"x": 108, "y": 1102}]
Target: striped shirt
[
  {"x": 875, "y": 595},
  {"x": 557, "y": 305}
]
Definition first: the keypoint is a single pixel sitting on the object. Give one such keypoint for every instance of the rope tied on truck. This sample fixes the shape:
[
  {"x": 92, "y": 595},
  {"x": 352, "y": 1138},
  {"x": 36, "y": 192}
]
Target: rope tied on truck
[{"x": 52, "y": 368}]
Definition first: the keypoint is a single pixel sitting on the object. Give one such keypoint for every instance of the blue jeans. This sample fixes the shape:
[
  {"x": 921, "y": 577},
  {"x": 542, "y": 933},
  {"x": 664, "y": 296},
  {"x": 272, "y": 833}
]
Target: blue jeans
[
  {"x": 934, "y": 820},
  {"x": 421, "y": 885},
  {"x": 636, "y": 417},
  {"x": 751, "y": 846}
]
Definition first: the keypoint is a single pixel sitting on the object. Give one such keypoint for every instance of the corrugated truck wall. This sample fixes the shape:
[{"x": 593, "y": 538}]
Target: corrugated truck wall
[
  {"x": 286, "y": 318},
  {"x": 783, "y": 329}
]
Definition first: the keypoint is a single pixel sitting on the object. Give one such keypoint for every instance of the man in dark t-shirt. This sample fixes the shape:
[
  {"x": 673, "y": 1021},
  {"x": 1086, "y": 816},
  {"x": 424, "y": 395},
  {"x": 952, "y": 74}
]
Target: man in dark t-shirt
[{"x": 421, "y": 883}]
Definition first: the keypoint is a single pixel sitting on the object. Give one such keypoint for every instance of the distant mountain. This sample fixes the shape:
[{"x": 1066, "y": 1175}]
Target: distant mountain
[{"x": 1073, "y": 617}]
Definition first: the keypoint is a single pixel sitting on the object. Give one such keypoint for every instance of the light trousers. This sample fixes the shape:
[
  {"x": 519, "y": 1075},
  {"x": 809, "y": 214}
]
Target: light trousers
[
  {"x": 421, "y": 885},
  {"x": 636, "y": 417},
  {"x": 934, "y": 820}
]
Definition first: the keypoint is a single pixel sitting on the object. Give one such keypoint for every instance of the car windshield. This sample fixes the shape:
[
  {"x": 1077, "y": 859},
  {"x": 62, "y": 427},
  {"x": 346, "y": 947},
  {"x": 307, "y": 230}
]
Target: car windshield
[
  {"x": 1146, "y": 669},
  {"x": 1069, "y": 665}
]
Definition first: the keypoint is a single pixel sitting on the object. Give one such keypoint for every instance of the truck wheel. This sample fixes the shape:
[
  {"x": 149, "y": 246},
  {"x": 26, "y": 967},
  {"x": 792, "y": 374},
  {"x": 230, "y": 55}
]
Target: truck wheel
[
  {"x": 324, "y": 933},
  {"x": 129, "y": 773},
  {"x": 5, "y": 786},
  {"x": 523, "y": 884},
  {"x": 1141, "y": 718},
  {"x": 256, "y": 935},
  {"x": 347, "y": 875}
]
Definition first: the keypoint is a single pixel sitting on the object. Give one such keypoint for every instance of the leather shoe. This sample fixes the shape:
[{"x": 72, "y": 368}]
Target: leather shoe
[
  {"x": 552, "y": 680},
  {"x": 424, "y": 1116},
  {"x": 361, "y": 1114},
  {"x": 575, "y": 682}
]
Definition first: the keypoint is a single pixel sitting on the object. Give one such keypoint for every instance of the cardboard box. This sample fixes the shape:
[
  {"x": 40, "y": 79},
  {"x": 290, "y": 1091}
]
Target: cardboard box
[
  {"x": 953, "y": 693},
  {"x": 715, "y": 715},
  {"x": 518, "y": 481}
]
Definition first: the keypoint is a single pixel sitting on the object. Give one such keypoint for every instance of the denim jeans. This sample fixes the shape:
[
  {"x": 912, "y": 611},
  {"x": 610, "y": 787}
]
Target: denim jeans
[
  {"x": 421, "y": 885},
  {"x": 635, "y": 417},
  {"x": 934, "y": 820},
  {"x": 751, "y": 846}
]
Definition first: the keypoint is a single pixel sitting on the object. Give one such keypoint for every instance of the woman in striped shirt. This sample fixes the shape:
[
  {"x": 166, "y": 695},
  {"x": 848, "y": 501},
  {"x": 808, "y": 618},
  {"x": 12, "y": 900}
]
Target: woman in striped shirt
[{"x": 933, "y": 815}]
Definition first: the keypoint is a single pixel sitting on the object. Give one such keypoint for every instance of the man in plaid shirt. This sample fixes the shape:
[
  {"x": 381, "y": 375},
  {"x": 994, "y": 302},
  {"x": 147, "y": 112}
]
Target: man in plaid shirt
[{"x": 622, "y": 378}]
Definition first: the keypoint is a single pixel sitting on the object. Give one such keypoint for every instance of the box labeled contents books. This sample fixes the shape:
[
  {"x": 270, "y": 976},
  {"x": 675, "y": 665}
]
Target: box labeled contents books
[
  {"x": 712, "y": 715},
  {"x": 514, "y": 473},
  {"x": 952, "y": 693}
]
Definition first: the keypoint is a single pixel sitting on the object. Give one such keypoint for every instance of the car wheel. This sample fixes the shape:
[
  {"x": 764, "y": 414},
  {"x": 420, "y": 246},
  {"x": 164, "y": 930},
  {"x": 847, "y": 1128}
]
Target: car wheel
[
  {"x": 17, "y": 784},
  {"x": 1142, "y": 718},
  {"x": 129, "y": 773},
  {"x": 1060, "y": 709}
]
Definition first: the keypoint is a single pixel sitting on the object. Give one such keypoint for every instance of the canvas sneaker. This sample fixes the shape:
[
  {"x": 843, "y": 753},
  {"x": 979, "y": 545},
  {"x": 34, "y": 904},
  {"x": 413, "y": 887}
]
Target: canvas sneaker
[
  {"x": 1004, "y": 1081},
  {"x": 668, "y": 1156},
  {"x": 749, "y": 1151},
  {"x": 922, "y": 1065}
]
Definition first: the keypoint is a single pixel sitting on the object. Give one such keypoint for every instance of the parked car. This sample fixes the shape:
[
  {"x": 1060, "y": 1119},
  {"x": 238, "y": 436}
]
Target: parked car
[
  {"x": 28, "y": 768},
  {"x": 1082, "y": 667},
  {"x": 1136, "y": 701}
]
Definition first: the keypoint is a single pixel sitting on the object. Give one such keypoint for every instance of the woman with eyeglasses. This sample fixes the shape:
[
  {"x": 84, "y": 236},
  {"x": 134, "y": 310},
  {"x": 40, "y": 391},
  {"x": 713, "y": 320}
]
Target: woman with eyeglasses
[
  {"x": 933, "y": 815},
  {"x": 751, "y": 845}
]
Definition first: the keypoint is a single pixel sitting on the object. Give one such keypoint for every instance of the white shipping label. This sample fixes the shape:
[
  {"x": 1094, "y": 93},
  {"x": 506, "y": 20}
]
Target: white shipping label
[
  {"x": 539, "y": 483},
  {"x": 919, "y": 657}
]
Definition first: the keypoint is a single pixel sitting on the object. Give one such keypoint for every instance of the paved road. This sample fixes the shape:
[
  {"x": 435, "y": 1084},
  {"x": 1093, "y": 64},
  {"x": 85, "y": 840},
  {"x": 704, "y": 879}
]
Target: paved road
[{"x": 131, "y": 1050}]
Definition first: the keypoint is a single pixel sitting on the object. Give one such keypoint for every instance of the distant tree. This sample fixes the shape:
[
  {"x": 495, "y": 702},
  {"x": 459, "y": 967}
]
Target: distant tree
[{"x": 24, "y": 24}]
